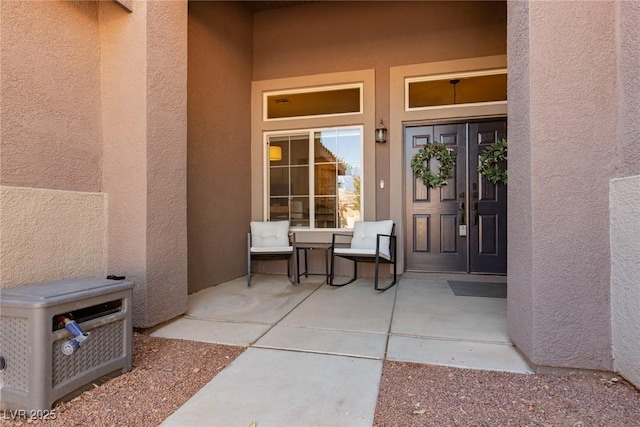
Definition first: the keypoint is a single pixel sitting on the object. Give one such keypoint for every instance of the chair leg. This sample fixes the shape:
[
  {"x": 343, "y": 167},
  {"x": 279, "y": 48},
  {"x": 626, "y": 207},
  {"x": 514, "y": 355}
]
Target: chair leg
[
  {"x": 353, "y": 279},
  {"x": 248, "y": 259},
  {"x": 297, "y": 263},
  {"x": 375, "y": 281},
  {"x": 292, "y": 279}
]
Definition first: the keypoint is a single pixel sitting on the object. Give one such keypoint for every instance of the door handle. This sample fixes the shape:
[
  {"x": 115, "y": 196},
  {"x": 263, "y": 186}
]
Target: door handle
[
  {"x": 461, "y": 208},
  {"x": 475, "y": 213}
]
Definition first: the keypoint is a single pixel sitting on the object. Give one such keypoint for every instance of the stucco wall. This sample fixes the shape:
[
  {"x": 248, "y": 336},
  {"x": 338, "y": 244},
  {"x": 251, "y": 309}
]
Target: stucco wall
[
  {"x": 219, "y": 137},
  {"x": 50, "y": 234},
  {"x": 628, "y": 16},
  {"x": 50, "y": 60},
  {"x": 326, "y": 37},
  {"x": 166, "y": 160},
  {"x": 51, "y": 139},
  {"x": 520, "y": 309},
  {"x": 571, "y": 130},
  {"x": 144, "y": 122},
  {"x": 625, "y": 276},
  {"x": 124, "y": 115}
]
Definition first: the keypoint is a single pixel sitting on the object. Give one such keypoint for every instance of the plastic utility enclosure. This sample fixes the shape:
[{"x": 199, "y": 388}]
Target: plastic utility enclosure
[{"x": 34, "y": 370}]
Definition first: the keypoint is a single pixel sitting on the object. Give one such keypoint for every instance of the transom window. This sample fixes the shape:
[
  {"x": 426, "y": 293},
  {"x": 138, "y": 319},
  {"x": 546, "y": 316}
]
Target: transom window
[
  {"x": 315, "y": 177},
  {"x": 489, "y": 86},
  {"x": 313, "y": 102}
]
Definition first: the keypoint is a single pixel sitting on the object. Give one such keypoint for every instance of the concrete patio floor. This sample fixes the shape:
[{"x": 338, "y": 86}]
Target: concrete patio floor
[{"x": 315, "y": 352}]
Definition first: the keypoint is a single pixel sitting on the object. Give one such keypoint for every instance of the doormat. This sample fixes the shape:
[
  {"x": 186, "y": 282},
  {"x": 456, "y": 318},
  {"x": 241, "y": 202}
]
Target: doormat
[{"x": 479, "y": 289}]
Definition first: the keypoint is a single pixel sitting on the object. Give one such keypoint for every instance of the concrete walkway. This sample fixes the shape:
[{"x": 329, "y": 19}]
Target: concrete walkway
[{"x": 315, "y": 352}]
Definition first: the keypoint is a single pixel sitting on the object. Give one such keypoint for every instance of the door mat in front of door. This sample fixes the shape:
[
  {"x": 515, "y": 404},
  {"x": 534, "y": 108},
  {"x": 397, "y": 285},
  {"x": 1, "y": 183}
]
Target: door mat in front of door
[{"x": 479, "y": 289}]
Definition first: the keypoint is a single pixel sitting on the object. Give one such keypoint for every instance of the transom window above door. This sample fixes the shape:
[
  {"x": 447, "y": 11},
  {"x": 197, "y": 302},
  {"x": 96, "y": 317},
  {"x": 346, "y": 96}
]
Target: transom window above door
[
  {"x": 481, "y": 87},
  {"x": 315, "y": 177}
]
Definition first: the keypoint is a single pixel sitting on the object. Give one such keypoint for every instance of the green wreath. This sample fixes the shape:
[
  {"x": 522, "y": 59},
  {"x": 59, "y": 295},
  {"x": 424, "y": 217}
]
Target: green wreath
[
  {"x": 420, "y": 164},
  {"x": 490, "y": 162}
]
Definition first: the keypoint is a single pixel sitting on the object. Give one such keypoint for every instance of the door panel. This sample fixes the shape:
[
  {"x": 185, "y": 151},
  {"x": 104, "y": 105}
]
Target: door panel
[
  {"x": 432, "y": 217},
  {"x": 435, "y": 240},
  {"x": 488, "y": 230}
]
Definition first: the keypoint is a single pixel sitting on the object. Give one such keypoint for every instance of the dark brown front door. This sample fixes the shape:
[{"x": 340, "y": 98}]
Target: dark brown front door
[{"x": 460, "y": 227}]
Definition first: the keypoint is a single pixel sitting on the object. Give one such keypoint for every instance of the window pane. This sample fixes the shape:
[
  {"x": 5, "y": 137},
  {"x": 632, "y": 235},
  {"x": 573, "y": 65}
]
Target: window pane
[
  {"x": 279, "y": 151},
  {"x": 300, "y": 181},
  {"x": 325, "y": 180},
  {"x": 349, "y": 196},
  {"x": 300, "y": 150},
  {"x": 279, "y": 181},
  {"x": 350, "y": 145},
  {"x": 320, "y": 102},
  {"x": 279, "y": 209},
  {"x": 300, "y": 211},
  {"x": 467, "y": 90},
  {"x": 325, "y": 146},
  {"x": 326, "y": 212}
]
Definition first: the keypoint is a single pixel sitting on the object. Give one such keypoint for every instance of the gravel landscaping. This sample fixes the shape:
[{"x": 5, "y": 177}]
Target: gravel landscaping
[{"x": 167, "y": 372}]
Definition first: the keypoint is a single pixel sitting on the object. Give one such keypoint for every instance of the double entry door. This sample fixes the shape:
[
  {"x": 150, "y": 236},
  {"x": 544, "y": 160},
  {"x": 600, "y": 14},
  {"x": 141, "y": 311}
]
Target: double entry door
[{"x": 461, "y": 226}]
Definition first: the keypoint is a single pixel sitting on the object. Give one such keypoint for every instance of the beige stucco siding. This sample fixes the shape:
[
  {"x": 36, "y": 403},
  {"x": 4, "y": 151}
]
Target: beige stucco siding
[
  {"x": 219, "y": 138},
  {"x": 50, "y": 234},
  {"x": 94, "y": 99},
  {"x": 124, "y": 112},
  {"x": 519, "y": 214},
  {"x": 562, "y": 188},
  {"x": 50, "y": 122},
  {"x": 326, "y": 37},
  {"x": 144, "y": 131},
  {"x": 628, "y": 93},
  {"x": 166, "y": 160}
]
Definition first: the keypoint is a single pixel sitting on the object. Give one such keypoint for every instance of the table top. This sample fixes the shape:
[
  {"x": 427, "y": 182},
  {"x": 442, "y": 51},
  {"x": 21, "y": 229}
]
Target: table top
[{"x": 312, "y": 245}]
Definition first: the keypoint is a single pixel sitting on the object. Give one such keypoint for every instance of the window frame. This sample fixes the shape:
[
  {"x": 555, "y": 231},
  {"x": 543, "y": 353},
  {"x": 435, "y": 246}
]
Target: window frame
[{"x": 311, "y": 134}]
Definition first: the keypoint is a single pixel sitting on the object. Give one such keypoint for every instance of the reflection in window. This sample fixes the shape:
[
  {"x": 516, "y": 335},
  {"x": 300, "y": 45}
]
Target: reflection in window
[{"x": 325, "y": 193}]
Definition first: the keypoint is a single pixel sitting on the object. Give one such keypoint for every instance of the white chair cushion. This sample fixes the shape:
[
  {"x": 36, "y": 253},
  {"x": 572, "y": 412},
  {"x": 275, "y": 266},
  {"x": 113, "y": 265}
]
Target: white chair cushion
[
  {"x": 360, "y": 252},
  {"x": 272, "y": 250},
  {"x": 269, "y": 234},
  {"x": 365, "y": 232}
]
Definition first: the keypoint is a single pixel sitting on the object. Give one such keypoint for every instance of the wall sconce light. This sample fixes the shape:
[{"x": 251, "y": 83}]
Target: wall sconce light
[
  {"x": 381, "y": 133},
  {"x": 275, "y": 153}
]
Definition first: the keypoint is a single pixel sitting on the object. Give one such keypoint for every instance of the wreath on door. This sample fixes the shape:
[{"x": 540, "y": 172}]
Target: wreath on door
[
  {"x": 490, "y": 162},
  {"x": 420, "y": 164}
]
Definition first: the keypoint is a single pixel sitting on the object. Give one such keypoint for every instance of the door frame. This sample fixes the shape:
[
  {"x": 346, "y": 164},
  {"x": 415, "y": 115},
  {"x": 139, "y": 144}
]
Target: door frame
[{"x": 398, "y": 116}]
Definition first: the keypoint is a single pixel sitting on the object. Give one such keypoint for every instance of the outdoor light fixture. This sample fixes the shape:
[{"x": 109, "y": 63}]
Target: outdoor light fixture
[
  {"x": 275, "y": 153},
  {"x": 381, "y": 133}
]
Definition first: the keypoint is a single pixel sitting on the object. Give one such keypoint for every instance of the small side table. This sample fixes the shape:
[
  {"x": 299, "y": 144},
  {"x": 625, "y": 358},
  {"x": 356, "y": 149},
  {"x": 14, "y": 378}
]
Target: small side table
[{"x": 306, "y": 247}]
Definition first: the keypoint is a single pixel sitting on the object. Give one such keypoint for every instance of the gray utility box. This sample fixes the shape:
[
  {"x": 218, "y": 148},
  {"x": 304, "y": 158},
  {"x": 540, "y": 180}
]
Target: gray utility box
[{"x": 34, "y": 370}]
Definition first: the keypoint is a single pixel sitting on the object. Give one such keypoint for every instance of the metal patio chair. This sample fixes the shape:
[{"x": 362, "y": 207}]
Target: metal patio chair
[
  {"x": 373, "y": 242},
  {"x": 271, "y": 240}
]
